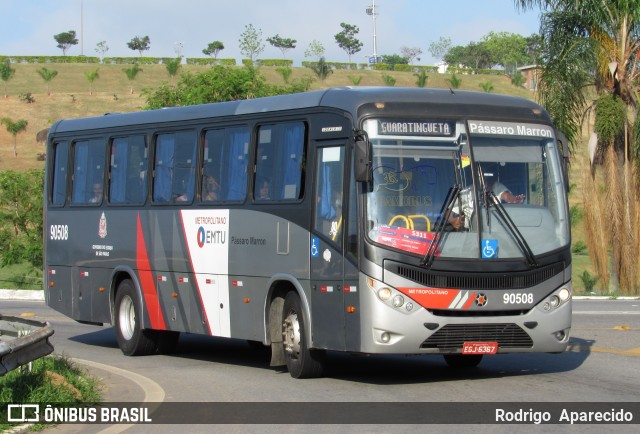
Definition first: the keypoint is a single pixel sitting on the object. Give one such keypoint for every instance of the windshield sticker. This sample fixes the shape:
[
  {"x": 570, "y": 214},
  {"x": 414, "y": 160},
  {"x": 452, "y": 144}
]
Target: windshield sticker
[
  {"x": 489, "y": 249},
  {"x": 510, "y": 129},
  {"x": 405, "y": 239}
]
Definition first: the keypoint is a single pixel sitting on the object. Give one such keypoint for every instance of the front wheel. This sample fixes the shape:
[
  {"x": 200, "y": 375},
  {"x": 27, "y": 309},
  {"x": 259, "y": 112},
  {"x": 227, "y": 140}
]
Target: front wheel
[
  {"x": 133, "y": 340},
  {"x": 302, "y": 362},
  {"x": 460, "y": 361}
]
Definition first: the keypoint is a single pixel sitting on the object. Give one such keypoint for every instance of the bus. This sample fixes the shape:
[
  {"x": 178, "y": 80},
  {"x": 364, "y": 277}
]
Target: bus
[{"x": 357, "y": 219}]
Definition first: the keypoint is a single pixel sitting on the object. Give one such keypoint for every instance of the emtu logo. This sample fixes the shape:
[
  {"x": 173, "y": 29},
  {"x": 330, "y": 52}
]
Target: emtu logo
[
  {"x": 210, "y": 237},
  {"x": 201, "y": 237}
]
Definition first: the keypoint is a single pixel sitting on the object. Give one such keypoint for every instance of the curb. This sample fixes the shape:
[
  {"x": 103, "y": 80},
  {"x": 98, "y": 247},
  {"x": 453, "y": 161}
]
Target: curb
[{"x": 22, "y": 294}]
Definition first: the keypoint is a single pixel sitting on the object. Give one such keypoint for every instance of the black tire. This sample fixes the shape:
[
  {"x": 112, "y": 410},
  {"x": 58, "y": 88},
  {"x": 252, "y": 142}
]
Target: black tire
[
  {"x": 459, "y": 361},
  {"x": 166, "y": 341},
  {"x": 132, "y": 339},
  {"x": 302, "y": 362}
]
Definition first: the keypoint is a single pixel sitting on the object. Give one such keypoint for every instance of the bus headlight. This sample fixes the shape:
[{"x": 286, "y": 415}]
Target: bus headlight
[
  {"x": 384, "y": 293},
  {"x": 564, "y": 294}
]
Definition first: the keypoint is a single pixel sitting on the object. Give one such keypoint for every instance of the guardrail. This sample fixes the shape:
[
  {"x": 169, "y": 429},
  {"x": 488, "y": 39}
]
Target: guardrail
[{"x": 22, "y": 341}]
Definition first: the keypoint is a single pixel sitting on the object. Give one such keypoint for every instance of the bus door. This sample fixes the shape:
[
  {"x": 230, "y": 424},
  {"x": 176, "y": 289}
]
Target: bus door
[{"x": 333, "y": 278}]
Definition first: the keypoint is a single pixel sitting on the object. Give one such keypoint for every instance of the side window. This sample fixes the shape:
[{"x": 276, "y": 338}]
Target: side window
[
  {"x": 329, "y": 188},
  {"x": 175, "y": 160},
  {"x": 225, "y": 159},
  {"x": 280, "y": 162},
  {"x": 59, "y": 181},
  {"x": 88, "y": 172},
  {"x": 128, "y": 170}
]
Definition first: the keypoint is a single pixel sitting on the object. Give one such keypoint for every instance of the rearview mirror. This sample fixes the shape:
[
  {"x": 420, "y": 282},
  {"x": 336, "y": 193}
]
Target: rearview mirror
[{"x": 363, "y": 161}]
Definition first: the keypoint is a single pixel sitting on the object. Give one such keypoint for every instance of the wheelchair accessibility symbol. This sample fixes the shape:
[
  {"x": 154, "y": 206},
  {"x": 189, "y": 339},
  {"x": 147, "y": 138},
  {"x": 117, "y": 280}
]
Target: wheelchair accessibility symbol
[
  {"x": 315, "y": 247},
  {"x": 489, "y": 249}
]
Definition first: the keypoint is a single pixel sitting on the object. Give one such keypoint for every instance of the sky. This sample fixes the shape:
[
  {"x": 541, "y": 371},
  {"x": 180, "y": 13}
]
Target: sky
[{"x": 28, "y": 26}]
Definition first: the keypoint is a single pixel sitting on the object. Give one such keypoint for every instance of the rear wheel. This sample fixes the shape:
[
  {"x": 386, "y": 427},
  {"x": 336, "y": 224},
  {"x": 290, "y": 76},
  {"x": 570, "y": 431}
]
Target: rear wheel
[
  {"x": 460, "y": 361},
  {"x": 302, "y": 362},
  {"x": 132, "y": 339}
]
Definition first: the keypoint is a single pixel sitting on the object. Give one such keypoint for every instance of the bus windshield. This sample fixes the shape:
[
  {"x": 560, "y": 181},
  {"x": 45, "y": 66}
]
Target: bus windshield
[{"x": 506, "y": 178}]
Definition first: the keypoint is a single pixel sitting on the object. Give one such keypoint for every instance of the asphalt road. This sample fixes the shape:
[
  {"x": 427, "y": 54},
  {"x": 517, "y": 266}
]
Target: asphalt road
[{"x": 601, "y": 365}]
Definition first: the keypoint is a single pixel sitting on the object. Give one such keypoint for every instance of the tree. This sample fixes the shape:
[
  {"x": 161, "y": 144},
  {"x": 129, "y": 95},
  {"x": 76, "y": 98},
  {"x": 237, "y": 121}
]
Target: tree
[
  {"x": 507, "y": 49},
  {"x": 47, "y": 75},
  {"x": 394, "y": 59},
  {"x": 213, "y": 49},
  {"x": 590, "y": 47},
  {"x": 220, "y": 83},
  {"x": 173, "y": 66},
  {"x": 66, "y": 40},
  {"x": 21, "y": 217},
  {"x": 283, "y": 44},
  {"x": 346, "y": 39},
  {"x": 410, "y": 53},
  {"x": 91, "y": 77},
  {"x": 251, "y": 42},
  {"x": 473, "y": 55},
  {"x": 139, "y": 44},
  {"x": 315, "y": 50},
  {"x": 14, "y": 128},
  {"x": 132, "y": 73},
  {"x": 440, "y": 47},
  {"x": 101, "y": 48},
  {"x": 6, "y": 73},
  {"x": 322, "y": 69}
]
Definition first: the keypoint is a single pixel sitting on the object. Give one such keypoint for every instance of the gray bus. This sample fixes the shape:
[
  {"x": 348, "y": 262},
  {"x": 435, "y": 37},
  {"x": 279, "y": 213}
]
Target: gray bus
[{"x": 361, "y": 220}]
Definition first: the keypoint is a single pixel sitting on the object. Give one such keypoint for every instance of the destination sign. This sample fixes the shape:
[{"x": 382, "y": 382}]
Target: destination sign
[
  {"x": 430, "y": 128},
  {"x": 510, "y": 129}
]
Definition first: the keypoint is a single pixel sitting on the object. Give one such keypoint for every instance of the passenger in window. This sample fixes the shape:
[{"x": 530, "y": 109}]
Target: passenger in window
[
  {"x": 264, "y": 188},
  {"x": 97, "y": 193},
  {"x": 210, "y": 189}
]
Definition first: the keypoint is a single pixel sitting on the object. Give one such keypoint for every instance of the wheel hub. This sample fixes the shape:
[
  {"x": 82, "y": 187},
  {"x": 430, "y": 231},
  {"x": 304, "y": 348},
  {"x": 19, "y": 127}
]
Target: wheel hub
[{"x": 291, "y": 334}]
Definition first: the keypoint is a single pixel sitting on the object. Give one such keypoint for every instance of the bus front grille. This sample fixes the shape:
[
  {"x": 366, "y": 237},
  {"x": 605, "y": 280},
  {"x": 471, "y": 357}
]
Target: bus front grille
[
  {"x": 471, "y": 280},
  {"x": 455, "y": 335}
]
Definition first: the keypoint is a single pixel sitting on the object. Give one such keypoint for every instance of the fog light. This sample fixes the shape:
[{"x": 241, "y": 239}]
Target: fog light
[
  {"x": 398, "y": 301},
  {"x": 409, "y": 306},
  {"x": 385, "y": 337},
  {"x": 384, "y": 294},
  {"x": 554, "y": 301},
  {"x": 547, "y": 306},
  {"x": 560, "y": 335}
]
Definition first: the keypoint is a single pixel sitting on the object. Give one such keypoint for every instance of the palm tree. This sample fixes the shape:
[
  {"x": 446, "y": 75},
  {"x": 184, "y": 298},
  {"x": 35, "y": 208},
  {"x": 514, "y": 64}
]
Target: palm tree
[
  {"x": 132, "y": 73},
  {"x": 47, "y": 75},
  {"x": 592, "y": 47},
  {"x": 14, "y": 128},
  {"x": 91, "y": 77}
]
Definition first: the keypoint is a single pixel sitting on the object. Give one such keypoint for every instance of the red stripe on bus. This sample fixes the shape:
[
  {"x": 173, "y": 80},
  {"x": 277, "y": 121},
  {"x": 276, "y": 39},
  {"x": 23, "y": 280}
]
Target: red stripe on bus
[
  {"x": 147, "y": 282},
  {"x": 467, "y": 305}
]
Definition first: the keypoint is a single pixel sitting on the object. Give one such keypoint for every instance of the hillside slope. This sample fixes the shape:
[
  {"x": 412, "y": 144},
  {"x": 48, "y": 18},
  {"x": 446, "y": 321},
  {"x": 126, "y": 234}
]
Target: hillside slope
[{"x": 70, "y": 96}]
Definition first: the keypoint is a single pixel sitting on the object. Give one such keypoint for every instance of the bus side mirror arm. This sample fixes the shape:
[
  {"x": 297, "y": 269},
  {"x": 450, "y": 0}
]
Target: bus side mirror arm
[{"x": 561, "y": 138}]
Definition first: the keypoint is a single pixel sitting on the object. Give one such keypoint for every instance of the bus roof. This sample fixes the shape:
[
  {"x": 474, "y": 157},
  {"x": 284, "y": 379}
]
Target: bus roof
[{"x": 349, "y": 99}]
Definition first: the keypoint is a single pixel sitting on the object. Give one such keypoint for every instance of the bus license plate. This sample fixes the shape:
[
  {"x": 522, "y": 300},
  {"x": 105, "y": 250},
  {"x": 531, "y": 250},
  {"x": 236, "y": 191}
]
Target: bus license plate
[{"x": 480, "y": 348}]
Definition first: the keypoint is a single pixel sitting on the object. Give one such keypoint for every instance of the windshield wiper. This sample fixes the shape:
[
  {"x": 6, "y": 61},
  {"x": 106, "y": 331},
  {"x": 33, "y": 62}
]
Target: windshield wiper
[
  {"x": 492, "y": 199},
  {"x": 445, "y": 212}
]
